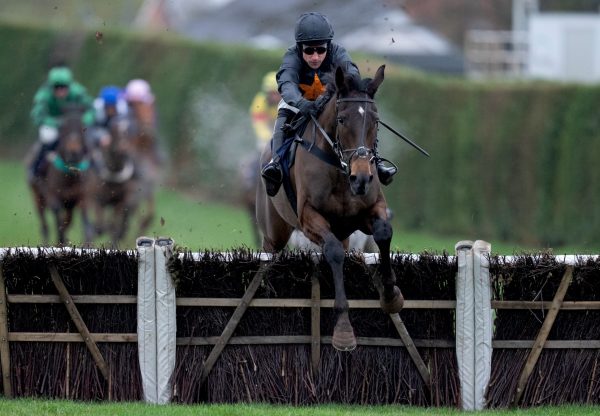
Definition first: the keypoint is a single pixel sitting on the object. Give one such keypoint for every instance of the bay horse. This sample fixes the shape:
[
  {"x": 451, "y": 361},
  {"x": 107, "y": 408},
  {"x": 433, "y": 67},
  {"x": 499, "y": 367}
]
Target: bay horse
[
  {"x": 144, "y": 141},
  {"x": 334, "y": 182},
  {"x": 63, "y": 187},
  {"x": 114, "y": 181}
]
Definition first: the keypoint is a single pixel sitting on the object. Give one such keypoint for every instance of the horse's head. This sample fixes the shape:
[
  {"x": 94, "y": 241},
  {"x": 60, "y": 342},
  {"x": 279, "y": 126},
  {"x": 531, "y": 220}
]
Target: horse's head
[
  {"x": 71, "y": 143},
  {"x": 356, "y": 122}
]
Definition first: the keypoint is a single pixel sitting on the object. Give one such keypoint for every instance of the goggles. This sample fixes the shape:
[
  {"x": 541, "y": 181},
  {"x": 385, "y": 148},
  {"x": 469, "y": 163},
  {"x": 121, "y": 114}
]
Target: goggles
[{"x": 309, "y": 50}]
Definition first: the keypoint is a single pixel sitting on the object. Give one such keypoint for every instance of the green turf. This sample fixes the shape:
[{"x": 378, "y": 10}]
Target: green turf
[{"x": 196, "y": 223}]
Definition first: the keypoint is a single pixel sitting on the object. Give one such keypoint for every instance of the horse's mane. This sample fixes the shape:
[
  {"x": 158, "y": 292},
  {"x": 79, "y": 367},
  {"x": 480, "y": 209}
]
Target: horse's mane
[{"x": 353, "y": 81}]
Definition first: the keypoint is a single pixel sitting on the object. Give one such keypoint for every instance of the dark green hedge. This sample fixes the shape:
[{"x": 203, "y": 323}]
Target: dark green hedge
[{"x": 510, "y": 161}]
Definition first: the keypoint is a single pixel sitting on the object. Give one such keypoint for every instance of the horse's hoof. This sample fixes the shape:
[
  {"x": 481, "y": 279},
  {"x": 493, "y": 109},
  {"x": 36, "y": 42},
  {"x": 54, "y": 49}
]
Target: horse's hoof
[
  {"x": 343, "y": 339},
  {"x": 395, "y": 304}
]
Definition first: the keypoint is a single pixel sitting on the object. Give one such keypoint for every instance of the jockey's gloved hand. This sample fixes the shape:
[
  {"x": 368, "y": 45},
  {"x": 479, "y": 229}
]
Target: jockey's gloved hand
[
  {"x": 308, "y": 107},
  {"x": 48, "y": 134},
  {"x": 321, "y": 101}
]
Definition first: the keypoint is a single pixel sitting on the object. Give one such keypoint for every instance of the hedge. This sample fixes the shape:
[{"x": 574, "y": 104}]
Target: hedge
[{"x": 510, "y": 161}]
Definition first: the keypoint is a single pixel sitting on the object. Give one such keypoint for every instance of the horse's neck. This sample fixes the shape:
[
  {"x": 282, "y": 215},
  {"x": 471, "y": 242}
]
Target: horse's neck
[{"x": 327, "y": 119}]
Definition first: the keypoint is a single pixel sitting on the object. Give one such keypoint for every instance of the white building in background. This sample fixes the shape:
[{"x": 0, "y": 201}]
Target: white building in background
[
  {"x": 564, "y": 47},
  {"x": 550, "y": 46}
]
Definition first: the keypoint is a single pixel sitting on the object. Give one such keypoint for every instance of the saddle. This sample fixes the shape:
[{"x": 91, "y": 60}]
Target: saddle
[{"x": 287, "y": 154}]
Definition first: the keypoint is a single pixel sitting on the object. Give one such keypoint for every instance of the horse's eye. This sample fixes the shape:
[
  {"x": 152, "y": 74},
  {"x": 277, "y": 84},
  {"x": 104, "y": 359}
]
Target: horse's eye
[{"x": 340, "y": 120}]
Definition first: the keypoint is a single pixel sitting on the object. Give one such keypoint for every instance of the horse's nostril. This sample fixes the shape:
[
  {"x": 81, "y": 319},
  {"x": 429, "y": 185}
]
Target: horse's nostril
[
  {"x": 352, "y": 178},
  {"x": 370, "y": 178}
]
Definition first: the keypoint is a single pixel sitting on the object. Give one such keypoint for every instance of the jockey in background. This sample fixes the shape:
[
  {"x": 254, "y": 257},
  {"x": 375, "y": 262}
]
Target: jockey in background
[
  {"x": 263, "y": 110},
  {"x": 142, "y": 109},
  {"x": 59, "y": 92},
  {"x": 109, "y": 105},
  {"x": 300, "y": 81},
  {"x": 263, "y": 113},
  {"x": 139, "y": 93}
]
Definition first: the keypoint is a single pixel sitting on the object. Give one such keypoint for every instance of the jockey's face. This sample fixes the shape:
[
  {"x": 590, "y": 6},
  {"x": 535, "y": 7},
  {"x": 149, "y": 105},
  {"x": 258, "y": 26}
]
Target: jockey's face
[
  {"x": 110, "y": 110},
  {"x": 61, "y": 91},
  {"x": 314, "y": 55}
]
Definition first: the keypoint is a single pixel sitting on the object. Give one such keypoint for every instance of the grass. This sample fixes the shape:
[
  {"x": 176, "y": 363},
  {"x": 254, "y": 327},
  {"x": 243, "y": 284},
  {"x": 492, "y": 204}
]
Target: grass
[
  {"x": 197, "y": 224},
  {"x": 31, "y": 407}
]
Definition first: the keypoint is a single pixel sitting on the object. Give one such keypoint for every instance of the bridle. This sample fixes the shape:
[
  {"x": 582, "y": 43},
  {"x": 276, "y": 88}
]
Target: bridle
[
  {"x": 360, "y": 152},
  {"x": 345, "y": 156}
]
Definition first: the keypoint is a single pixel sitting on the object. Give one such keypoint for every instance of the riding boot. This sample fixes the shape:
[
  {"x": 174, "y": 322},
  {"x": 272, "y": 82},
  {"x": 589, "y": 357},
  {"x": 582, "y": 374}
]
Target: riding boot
[
  {"x": 385, "y": 173},
  {"x": 39, "y": 164},
  {"x": 271, "y": 172}
]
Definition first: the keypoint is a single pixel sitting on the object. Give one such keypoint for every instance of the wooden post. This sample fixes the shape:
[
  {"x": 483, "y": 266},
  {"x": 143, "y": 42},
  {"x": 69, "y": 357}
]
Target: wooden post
[
  {"x": 540, "y": 340},
  {"x": 315, "y": 325},
  {"x": 81, "y": 326},
  {"x": 4, "y": 346},
  {"x": 233, "y": 322},
  {"x": 412, "y": 349}
]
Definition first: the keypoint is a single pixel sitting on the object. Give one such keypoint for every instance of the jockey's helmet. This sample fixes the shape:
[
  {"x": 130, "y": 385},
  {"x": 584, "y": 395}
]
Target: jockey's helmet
[
  {"x": 139, "y": 90},
  {"x": 313, "y": 27},
  {"x": 269, "y": 82},
  {"x": 110, "y": 94},
  {"x": 60, "y": 76}
]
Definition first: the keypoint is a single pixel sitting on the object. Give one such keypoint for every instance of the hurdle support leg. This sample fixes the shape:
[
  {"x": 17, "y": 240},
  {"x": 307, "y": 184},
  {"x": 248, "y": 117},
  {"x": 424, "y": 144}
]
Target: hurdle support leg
[
  {"x": 78, "y": 321},
  {"x": 538, "y": 345},
  {"x": 4, "y": 346},
  {"x": 233, "y": 322},
  {"x": 315, "y": 325}
]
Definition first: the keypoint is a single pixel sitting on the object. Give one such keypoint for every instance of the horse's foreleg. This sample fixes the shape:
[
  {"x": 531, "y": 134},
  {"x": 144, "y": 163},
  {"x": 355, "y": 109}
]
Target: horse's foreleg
[
  {"x": 43, "y": 222},
  {"x": 343, "y": 334},
  {"x": 120, "y": 225},
  {"x": 148, "y": 216},
  {"x": 317, "y": 229},
  {"x": 88, "y": 227},
  {"x": 391, "y": 298},
  {"x": 63, "y": 219}
]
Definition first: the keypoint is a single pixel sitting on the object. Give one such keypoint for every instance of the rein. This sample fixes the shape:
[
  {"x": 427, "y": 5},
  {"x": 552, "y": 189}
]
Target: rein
[{"x": 70, "y": 168}]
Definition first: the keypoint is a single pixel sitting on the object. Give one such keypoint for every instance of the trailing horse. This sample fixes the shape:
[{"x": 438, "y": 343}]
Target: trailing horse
[
  {"x": 143, "y": 135},
  {"x": 333, "y": 190},
  {"x": 114, "y": 183},
  {"x": 63, "y": 187}
]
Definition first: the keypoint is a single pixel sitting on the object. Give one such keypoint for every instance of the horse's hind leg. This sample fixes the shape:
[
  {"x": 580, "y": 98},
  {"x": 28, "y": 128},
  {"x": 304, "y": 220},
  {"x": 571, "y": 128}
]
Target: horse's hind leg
[
  {"x": 391, "y": 298},
  {"x": 148, "y": 214}
]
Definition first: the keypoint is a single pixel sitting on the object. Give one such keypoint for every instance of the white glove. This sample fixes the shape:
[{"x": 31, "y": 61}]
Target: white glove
[{"x": 48, "y": 134}]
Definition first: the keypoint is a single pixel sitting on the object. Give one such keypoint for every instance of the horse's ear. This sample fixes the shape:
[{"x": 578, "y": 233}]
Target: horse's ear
[
  {"x": 340, "y": 81},
  {"x": 376, "y": 82}
]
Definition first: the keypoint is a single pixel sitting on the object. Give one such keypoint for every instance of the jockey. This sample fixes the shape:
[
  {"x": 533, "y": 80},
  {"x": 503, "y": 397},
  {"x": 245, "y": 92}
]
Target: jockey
[
  {"x": 138, "y": 94},
  {"x": 139, "y": 91},
  {"x": 300, "y": 83},
  {"x": 108, "y": 105},
  {"x": 50, "y": 103},
  {"x": 263, "y": 110}
]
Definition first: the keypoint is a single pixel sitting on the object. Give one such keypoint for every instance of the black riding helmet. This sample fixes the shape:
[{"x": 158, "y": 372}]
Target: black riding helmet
[{"x": 313, "y": 27}]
